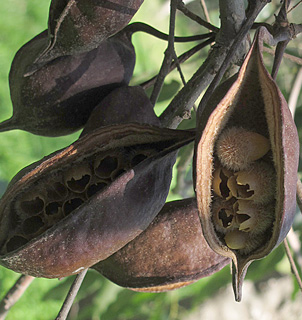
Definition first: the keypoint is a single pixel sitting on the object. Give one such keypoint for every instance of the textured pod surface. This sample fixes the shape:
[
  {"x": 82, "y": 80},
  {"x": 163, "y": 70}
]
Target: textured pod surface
[
  {"x": 79, "y": 26},
  {"x": 169, "y": 254},
  {"x": 122, "y": 183},
  {"x": 59, "y": 97},
  {"x": 255, "y": 103},
  {"x": 123, "y": 105}
]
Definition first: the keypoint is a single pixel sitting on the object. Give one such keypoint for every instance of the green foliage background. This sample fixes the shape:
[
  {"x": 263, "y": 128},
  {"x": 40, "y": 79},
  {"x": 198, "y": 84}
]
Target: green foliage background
[{"x": 20, "y": 20}]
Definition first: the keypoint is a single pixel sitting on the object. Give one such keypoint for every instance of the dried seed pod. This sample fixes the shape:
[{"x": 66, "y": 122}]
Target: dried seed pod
[
  {"x": 59, "y": 97},
  {"x": 79, "y": 26},
  {"x": 255, "y": 103},
  {"x": 104, "y": 223},
  {"x": 169, "y": 254},
  {"x": 123, "y": 105}
]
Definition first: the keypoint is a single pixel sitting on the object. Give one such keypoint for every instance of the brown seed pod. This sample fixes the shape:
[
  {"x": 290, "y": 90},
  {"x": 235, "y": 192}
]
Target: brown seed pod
[
  {"x": 255, "y": 103},
  {"x": 85, "y": 231},
  {"x": 169, "y": 254},
  {"x": 59, "y": 97},
  {"x": 123, "y": 105},
  {"x": 80, "y": 26}
]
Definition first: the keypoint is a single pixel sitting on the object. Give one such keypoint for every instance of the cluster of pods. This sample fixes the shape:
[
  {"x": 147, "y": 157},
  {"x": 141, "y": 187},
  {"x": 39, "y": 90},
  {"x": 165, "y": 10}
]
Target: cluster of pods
[{"x": 100, "y": 203}]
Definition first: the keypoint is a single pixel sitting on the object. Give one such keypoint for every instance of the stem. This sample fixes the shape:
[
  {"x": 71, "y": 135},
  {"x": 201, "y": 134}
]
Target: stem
[
  {"x": 169, "y": 53},
  {"x": 259, "y": 5},
  {"x": 14, "y": 294},
  {"x": 290, "y": 57},
  {"x": 299, "y": 194},
  {"x": 182, "y": 58},
  {"x": 292, "y": 263},
  {"x": 182, "y": 103},
  {"x": 71, "y": 295},
  {"x": 181, "y": 7},
  {"x": 143, "y": 27}
]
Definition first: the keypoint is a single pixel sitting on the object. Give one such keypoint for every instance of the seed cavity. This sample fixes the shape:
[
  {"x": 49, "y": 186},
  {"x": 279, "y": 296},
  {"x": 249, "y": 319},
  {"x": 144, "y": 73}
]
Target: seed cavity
[
  {"x": 32, "y": 225},
  {"x": 105, "y": 166},
  {"x": 56, "y": 191},
  {"x": 15, "y": 242},
  {"x": 53, "y": 208},
  {"x": 32, "y": 206},
  {"x": 77, "y": 178},
  {"x": 243, "y": 184},
  {"x": 94, "y": 188},
  {"x": 71, "y": 204}
]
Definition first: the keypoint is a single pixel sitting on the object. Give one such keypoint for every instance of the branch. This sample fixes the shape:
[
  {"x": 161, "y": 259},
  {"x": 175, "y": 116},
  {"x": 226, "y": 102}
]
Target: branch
[
  {"x": 292, "y": 263},
  {"x": 299, "y": 194},
  {"x": 182, "y": 58},
  {"x": 181, "y": 7},
  {"x": 169, "y": 54},
  {"x": 183, "y": 102},
  {"x": 71, "y": 295},
  {"x": 14, "y": 294}
]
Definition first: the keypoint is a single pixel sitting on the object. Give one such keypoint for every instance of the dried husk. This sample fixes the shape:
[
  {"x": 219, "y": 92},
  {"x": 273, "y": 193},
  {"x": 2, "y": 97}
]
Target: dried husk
[
  {"x": 105, "y": 221},
  {"x": 255, "y": 103},
  {"x": 79, "y": 26},
  {"x": 169, "y": 254},
  {"x": 123, "y": 105},
  {"x": 58, "y": 98}
]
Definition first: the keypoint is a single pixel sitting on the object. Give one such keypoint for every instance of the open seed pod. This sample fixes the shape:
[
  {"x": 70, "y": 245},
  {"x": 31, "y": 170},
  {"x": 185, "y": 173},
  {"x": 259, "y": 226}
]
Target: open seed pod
[
  {"x": 83, "y": 203},
  {"x": 79, "y": 26},
  {"x": 169, "y": 254},
  {"x": 246, "y": 228},
  {"x": 58, "y": 98}
]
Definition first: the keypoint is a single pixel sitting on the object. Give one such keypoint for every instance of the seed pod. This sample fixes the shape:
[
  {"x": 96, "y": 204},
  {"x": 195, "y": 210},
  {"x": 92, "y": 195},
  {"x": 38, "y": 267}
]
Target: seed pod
[
  {"x": 58, "y": 98},
  {"x": 254, "y": 103},
  {"x": 169, "y": 254},
  {"x": 123, "y": 105},
  {"x": 83, "y": 231},
  {"x": 80, "y": 26}
]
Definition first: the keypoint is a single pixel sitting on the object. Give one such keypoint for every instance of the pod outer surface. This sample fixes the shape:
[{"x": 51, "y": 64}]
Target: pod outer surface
[
  {"x": 58, "y": 98},
  {"x": 110, "y": 218},
  {"x": 169, "y": 254}
]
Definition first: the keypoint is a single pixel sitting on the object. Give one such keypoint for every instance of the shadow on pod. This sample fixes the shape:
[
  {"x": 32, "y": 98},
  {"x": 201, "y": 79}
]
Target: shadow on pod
[
  {"x": 246, "y": 159},
  {"x": 169, "y": 254}
]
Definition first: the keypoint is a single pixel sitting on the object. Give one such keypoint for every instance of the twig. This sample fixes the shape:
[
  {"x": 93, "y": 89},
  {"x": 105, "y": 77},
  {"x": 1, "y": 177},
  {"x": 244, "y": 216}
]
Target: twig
[
  {"x": 181, "y": 7},
  {"x": 71, "y": 295},
  {"x": 143, "y": 27},
  {"x": 258, "y": 6},
  {"x": 182, "y": 58},
  {"x": 295, "y": 6},
  {"x": 294, "y": 94},
  {"x": 182, "y": 103},
  {"x": 14, "y": 294},
  {"x": 169, "y": 54},
  {"x": 290, "y": 57},
  {"x": 205, "y": 10},
  {"x": 299, "y": 194},
  {"x": 292, "y": 263},
  {"x": 295, "y": 245}
]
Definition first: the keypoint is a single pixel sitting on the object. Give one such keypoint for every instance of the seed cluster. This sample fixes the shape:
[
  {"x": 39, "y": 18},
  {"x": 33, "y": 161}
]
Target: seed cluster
[
  {"x": 56, "y": 196},
  {"x": 244, "y": 188}
]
